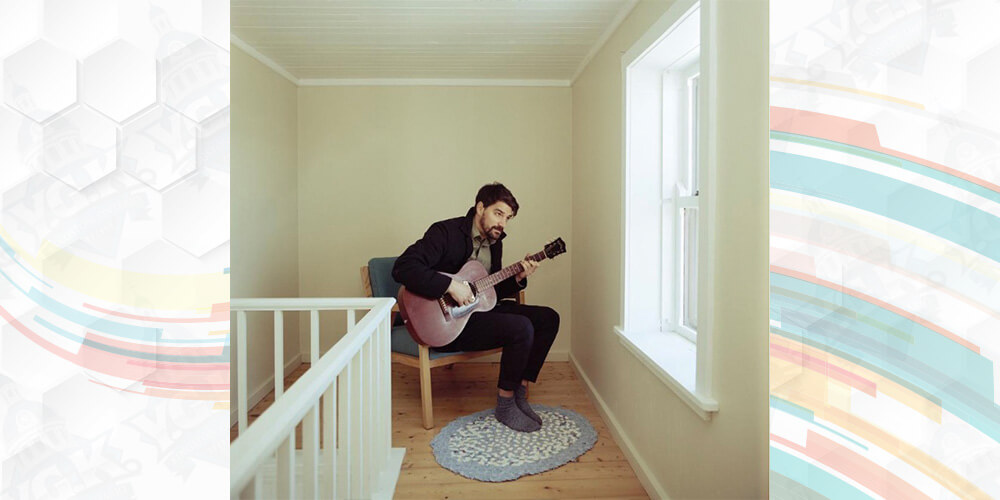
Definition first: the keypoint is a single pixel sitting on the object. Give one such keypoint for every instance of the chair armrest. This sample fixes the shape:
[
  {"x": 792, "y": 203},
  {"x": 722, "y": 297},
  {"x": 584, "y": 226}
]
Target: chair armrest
[{"x": 520, "y": 297}]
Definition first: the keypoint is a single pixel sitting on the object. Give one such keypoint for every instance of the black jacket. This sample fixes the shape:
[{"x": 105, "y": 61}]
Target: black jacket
[{"x": 446, "y": 247}]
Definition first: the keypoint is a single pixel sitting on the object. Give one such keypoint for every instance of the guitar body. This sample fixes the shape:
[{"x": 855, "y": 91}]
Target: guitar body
[{"x": 437, "y": 322}]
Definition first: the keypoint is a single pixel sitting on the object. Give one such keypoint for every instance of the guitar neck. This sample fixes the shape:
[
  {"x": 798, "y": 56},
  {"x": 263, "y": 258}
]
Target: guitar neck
[{"x": 507, "y": 272}]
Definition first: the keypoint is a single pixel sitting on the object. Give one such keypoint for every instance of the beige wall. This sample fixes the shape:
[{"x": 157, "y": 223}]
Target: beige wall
[
  {"x": 690, "y": 458},
  {"x": 264, "y": 214},
  {"x": 378, "y": 165}
]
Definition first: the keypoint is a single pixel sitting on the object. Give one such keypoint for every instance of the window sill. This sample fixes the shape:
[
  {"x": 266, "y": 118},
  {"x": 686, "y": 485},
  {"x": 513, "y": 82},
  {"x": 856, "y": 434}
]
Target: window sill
[{"x": 672, "y": 359}]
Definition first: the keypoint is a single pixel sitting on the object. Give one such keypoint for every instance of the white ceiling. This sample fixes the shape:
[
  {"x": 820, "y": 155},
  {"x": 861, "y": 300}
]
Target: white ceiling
[{"x": 517, "y": 40}]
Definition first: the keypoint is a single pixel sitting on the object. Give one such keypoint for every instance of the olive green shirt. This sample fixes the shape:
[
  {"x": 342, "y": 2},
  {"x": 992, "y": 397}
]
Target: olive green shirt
[{"x": 480, "y": 248}]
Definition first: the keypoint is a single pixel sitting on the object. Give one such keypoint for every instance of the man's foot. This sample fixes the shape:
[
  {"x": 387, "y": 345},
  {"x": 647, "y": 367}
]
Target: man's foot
[
  {"x": 510, "y": 415},
  {"x": 521, "y": 401}
]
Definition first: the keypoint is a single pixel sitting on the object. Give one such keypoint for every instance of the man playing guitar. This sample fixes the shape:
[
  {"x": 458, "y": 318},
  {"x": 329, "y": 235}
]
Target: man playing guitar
[{"x": 525, "y": 332}]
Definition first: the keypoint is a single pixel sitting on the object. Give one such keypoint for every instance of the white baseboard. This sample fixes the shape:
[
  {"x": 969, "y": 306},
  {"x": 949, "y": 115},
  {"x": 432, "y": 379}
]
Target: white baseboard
[
  {"x": 648, "y": 480},
  {"x": 262, "y": 390},
  {"x": 495, "y": 358}
]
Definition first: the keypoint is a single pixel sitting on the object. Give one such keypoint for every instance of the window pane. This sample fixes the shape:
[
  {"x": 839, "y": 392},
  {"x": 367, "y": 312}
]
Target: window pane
[
  {"x": 693, "y": 133},
  {"x": 689, "y": 266}
]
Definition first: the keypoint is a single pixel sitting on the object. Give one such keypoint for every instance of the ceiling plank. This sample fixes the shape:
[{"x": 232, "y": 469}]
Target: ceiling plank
[{"x": 516, "y": 40}]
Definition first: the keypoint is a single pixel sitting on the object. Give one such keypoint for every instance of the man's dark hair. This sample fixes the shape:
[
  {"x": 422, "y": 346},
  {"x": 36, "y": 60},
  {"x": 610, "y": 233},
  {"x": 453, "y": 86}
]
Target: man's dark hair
[{"x": 492, "y": 193}]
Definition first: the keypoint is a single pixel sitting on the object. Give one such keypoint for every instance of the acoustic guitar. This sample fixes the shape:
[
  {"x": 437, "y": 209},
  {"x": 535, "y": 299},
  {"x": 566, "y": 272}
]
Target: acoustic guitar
[{"x": 437, "y": 322}]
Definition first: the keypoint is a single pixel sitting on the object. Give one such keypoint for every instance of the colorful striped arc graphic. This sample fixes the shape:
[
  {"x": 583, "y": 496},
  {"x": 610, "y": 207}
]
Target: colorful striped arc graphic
[{"x": 850, "y": 353}]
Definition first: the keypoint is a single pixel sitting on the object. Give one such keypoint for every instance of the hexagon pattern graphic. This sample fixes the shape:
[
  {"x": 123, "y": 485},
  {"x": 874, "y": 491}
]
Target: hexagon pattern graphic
[
  {"x": 20, "y": 147},
  {"x": 158, "y": 147},
  {"x": 114, "y": 274},
  {"x": 119, "y": 80},
  {"x": 215, "y": 22},
  {"x": 18, "y": 25},
  {"x": 39, "y": 80},
  {"x": 195, "y": 80},
  {"x": 213, "y": 142},
  {"x": 167, "y": 25},
  {"x": 80, "y": 147},
  {"x": 184, "y": 207},
  {"x": 31, "y": 207},
  {"x": 81, "y": 27}
]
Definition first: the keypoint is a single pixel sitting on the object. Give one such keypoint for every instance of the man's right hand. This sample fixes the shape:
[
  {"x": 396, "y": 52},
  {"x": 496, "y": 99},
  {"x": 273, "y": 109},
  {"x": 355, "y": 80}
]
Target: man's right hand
[{"x": 461, "y": 293}]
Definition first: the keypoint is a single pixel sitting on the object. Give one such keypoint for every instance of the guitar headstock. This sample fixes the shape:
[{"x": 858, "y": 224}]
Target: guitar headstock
[{"x": 554, "y": 248}]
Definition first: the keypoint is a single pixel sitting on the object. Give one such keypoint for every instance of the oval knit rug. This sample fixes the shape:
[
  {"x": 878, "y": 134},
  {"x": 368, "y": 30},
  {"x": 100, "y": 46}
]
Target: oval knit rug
[{"x": 479, "y": 447}]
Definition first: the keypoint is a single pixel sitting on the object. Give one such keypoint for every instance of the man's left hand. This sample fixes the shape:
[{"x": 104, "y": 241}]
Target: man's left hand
[{"x": 529, "y": 268}]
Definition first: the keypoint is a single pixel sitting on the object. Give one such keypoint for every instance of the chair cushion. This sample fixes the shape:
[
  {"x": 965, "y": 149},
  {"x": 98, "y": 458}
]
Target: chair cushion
[{"x": 403, "y": 343}]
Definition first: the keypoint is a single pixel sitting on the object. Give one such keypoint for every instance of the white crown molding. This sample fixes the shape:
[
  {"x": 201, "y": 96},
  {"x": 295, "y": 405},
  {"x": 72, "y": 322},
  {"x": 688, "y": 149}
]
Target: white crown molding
[
  {"x": 380, "y": 82},
  {"x": 442, "y": 82},
  {"x": 262, "y": 58},
  {"x": 622, "y": 14}
]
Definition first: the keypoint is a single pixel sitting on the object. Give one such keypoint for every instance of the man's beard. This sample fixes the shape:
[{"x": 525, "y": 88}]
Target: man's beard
[{"x": 489, "y": 234}]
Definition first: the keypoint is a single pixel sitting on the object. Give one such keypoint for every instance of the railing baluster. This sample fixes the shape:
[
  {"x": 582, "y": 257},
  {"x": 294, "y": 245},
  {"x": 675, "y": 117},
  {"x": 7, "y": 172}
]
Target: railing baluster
[
  {"x": 313, "y": 336},
  {"x": 286, "y": 467},
  {"x": 258, "y": 486},
  {"x": 310, "y": 451},
  {"x": 279, "y": 354},
  {"x": 347, "y": 403},
  {"x": 329, "y": 482},
  {"x": 387, "y": 387},
  {"x": 385, "y": 404},
  {"x": 344, "y": 421},
  {"x": 356, "y": 417},
  {"x": 367, "y": 416},
  {"x": 377, "y": 404},
  {"x": 241, "y": 370}
]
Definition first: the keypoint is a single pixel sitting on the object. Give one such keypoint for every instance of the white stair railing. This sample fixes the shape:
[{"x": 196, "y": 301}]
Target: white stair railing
[{"x": 350, "y": 384}]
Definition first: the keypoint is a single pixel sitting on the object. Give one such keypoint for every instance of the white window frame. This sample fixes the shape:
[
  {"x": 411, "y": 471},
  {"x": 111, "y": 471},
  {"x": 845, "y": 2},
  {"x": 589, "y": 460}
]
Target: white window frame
[
  {"x": 652, "y": 199},
  {"x": 681, "y": 194}
]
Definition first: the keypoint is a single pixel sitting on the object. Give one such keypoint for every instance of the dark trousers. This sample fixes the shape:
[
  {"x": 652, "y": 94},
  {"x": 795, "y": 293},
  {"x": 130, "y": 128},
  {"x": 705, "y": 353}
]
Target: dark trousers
[{"x": 525, "y": 332}]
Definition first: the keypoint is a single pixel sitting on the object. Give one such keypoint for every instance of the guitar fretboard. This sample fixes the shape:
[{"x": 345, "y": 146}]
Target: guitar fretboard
[{"x": 507, "y": 272}]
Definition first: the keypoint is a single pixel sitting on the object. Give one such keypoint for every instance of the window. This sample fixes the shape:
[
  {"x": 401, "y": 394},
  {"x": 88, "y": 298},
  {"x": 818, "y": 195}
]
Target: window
[
  {"x": 666, "y": 206},
  {"x": 680, "y": 188}
]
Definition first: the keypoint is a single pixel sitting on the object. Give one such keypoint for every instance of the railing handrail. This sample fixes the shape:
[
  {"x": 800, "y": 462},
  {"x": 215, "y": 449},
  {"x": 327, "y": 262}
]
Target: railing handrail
[
  {"x": 304, "y": 303},
  {"x": 262, "y": 439}
]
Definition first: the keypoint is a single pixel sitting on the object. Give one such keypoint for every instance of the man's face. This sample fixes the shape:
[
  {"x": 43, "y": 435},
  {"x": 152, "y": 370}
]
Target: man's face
[{"x": 493, "y": 219}]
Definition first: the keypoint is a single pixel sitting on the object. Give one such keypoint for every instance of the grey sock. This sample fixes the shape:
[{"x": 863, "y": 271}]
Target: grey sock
[
  {"x": 510, "y": 415},
  {"x": 522, "y": 402}
]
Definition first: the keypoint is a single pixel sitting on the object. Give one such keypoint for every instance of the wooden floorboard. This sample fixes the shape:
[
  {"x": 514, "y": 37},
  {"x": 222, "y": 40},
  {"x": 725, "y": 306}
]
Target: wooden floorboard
[{"x": 464, "y": 388}]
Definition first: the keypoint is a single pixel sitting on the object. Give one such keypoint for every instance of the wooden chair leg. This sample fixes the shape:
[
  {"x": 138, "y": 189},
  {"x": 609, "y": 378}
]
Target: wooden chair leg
[{"x": 425, "y": 387}]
